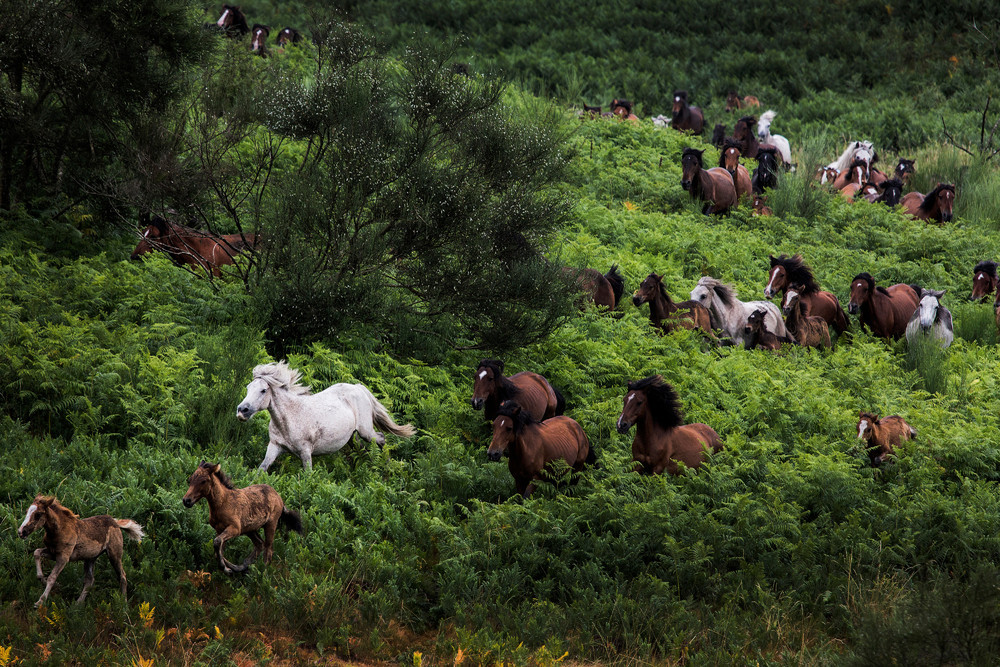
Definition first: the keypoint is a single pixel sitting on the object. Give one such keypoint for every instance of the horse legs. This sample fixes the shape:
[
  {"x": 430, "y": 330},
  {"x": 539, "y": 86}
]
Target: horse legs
[
  {"x": 258, "y": 544},
  {"x": 115, "y": 556},
  {"x": 39, "y": 555},
  {"x": 307, "y": 460},
  {"x": 269, "y": 529},
  {"x": 368, "y": 432},
  {"x": 219, "y": 542},
  {"x": 50, "y": 582},
  {"x": 88, "y": 579},
  {"x": 273, "y": 452}
]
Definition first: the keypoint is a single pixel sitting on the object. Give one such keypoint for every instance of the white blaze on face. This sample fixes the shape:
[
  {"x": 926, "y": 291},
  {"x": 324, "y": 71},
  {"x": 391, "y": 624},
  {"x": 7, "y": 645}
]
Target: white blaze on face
[
  {"x": 774, "y": 274},
  {"x": 862, "y": 427},
  {"x": 928, "y": 311},
  {"x": 222, "y": 19},
  {"x": 482, "y": 375},
  {"x": 27, "y": 517},
  {"x": 677, "y": 99}
]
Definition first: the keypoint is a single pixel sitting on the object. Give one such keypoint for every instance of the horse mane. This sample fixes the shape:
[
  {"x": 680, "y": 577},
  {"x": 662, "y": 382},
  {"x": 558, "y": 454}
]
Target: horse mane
[
  {"x": 223, "y": 477},
  {"x": 507, "y": 388},
  {"x": 798, "y": 272},
  {"x": 732, "y": 142},
  {"x": 870, "y": 416},
  {"x": 520, "y": 417},
  {"x": 681, "y": 94},
  {"x": 663, "y": 403},
  {"x": 54, "y": 504},
  {"x": 726, "y": 293},
  {"x": 663, "y": 293},
  {"x": 767, "y": 149},
  {"x": 767, "y": 116},
  {"x": 621, "y": 103},
  {"x": 695, "y": 152},
  {"x": 987, "y": 267},
  {"x": 867, "y": 277},
  {"x": 749, "y": 120},
  {"x": 281, "y": 375},
  {"x": 930, "y": 198}
]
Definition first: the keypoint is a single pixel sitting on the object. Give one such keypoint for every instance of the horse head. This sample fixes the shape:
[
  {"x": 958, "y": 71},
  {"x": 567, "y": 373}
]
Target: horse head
[
  {"x": 904, "y": 169},
  {"x": 258, "y": 43},
  {"x": 258, "y": 398},
  {"x": 944, "y": 196},
  {"x": 486, "y": 383},
  {"x": 984, "y": 280},
  {"x": 36, "y": 516},
  {"x": 929, "y": 304},
  {"x": 647, "y": 289},
  {"x": 680, "y": 101},
  {"x": 793, "y": 295},
  {"x": 691, "y": 164},
  {"x": 866, "y": 424},
  {"x": 862, "y": 288},
  {"x": 509, "y": 420},
  {"x": 201, "y": 481},
  {"x": 731, "y": 152},
  {"x": 732, "y": 101}
]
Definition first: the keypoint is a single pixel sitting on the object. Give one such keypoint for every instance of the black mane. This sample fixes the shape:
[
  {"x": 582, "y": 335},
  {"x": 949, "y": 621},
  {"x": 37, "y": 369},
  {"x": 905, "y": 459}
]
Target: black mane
[
  {"x": 931, "y": 197},
  {"x": 694, "y": 152},
  {"x": 223, "y": 477},
  {"x": 508, "y": 389},
  {"x": 798, "y": 272},
  {"x": 662, "y": 401},
  {"x": 521, "y": 418},
  {"x": 987, "y": 267},
  {"x": 891, "y": 191}
]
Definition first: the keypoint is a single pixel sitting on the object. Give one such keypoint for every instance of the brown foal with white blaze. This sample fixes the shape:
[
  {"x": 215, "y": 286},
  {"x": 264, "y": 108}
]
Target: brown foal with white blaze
[
  {"x": 883, "y": 435},
  {"x": 233, "y": 512},
  {"x": 69, "y": 538}
]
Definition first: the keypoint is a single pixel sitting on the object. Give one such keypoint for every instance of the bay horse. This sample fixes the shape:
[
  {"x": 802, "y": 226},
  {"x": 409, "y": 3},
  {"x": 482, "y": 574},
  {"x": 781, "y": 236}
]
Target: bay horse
[
  {"x": 665, "y": 314},
  {"x": 883, "y": 435},
  {"x": 605, "y": 290},
  {"x": 885, "y": 311},
  {"x": 984, "y": 280},
  {"x": 729, "y": 159},
  {"x": 776, "y": 140},
  {"x": 786, "y": 271},
  {"x": 936, "y": 205},
  {"x": 808, "y": 330},
  {"x": 623, "y": 109},
  {"x": 718, "y": 135},
  {"x": 289, "y": 36},
  {"x": 531, "y": 391},
  {"x": 191, "y": 247},
  {"x": 730, "y": 313},
  {"x": 258, "y": 40},
  {"x": 233, "y": 22},
  {"x": 904, "y": 169},
  {"x": 233, "y": 512},
  {"x": 70, "y": 538},
  {"x": 532, "y": 446},
  {"x": 662, "y": 440},
  {"x": 931, "y": 319},
  {"x": 766, "y": 173},
  {"x": 745, "y": 135},
  {"x": 304, "y": 423},
  {"x": 733, "y": 101},
  {"x": 756, "y": 335},
  {"x": 714, "y": 186},
  {"x": 892, "y": 192},
  {"x": 684, "y": 117}
]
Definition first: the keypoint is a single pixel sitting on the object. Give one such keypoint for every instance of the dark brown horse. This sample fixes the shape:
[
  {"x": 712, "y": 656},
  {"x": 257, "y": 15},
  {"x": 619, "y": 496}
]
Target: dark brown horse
[
  {"x": 936, "y": 205},
  {"x": 289, "y": 36},
  {"x": 233, "y": 512},
  {"x": 984, "y": 280},
  {"x": 258, "y": 39},
  {"x": 666, "y": 314},
  {"x": 883, "y": 435},
  {"x": 733, "y": 101},
  {"x": 729, "y": 159},
  {"x": 532, "y": 445},
  {"x": 904, "y": 169},
  {"x": 808, "y": 330},
  {"x": 786, "y": 270},
  {"x": 533, "y": 393},
  {"x": 661, "y": 438},
  {"x": 719, "y": 135},
  {"x": 891, "y": 193},
  {"x": 756, "y": 335},
  {"x": 191, "y": 247},
  {"x": 885, "y": 311},
  {"x": 684, "y": 117},
  {"x": 765, "y": 175},
  {"x": 745, "y": 134},
  {"x": 605, "y": 290},
  {"x": 69, "y": 538},
  {"x": 713, "y": 186},
  {"x": 233, "y": 22}
]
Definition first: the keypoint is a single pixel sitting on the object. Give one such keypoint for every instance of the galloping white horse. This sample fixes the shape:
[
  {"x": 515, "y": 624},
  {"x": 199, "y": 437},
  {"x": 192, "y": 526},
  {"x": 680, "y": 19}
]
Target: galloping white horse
[
  {"x": 931, "y": 319},
  {"x": 304, "y": 423},
  {"x": 731, "y": 313},
  {"x": 776, "y": 140}
]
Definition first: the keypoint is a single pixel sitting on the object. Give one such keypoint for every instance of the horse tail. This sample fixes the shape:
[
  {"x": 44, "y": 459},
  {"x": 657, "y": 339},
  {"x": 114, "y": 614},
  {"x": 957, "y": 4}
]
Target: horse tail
[
  {"x": 290, "y": 519},
  {"x": 617, "y": 283},
  {"x": 916, "y": 288},
  {"x": 591, "y": 456},
  {"x": 560, "y": 401},
  {"x": 131, "y": 528},
  {"x": 384, "y": 421}
]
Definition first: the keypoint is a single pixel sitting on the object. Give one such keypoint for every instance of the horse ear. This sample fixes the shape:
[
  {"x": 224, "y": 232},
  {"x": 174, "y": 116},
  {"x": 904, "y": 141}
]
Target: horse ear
[
  {"x": 500, "y": 366},
  {"x": 216, "y": 468}
]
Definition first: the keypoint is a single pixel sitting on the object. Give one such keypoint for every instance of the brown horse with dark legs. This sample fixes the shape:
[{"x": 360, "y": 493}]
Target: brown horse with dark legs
[
  {"x": 666, "y": 314},
  {"x": 786, "y": 270},
  {"x": 936, "y": 205},
  {"x": 809, "y": 330},
  {"x": 745, "y": 134},
  {"x": 733, "y": 101},
  {"x": 70, "y": 538},
  {"x": 662, "y": 440},
  {"x": 729, "y": 159},
  {"x": 605, "y": 290},
  {"x": 192, "y": 248},
  {"x": 714, "y": 186},
  {"x": 883, "y": 435},
  {"x": 756, "y": 335},
  {"x": 885, "y": 311},
  {"x": 684, "y": 117},
  {"x": 233, "y": 512},
  {"x": 984, "y": 280},
  {"x": 533, "y": 393},
  {"x": 532, "y": 445}
]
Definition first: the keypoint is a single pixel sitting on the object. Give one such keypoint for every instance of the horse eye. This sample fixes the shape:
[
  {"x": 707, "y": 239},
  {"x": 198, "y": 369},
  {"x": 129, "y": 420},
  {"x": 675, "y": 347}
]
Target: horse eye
[{"x": 263, "y": 391}]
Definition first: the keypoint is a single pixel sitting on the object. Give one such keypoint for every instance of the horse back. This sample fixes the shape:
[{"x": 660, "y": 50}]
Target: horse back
[
  {"x": 826, "y": 305},
  {"x": 697, "y": 121},
  {"x": 563, "y": 438},
  {"x": 535, "y": 395},
  {"x": 741, "y": 181},
  {"x": 94, "y": 535},
  {"x": 255, "y": 506},
  {"x": 723, "y": 189},
  {"x": 688, "y": 444},
  {"x": 911, "y": 201}
]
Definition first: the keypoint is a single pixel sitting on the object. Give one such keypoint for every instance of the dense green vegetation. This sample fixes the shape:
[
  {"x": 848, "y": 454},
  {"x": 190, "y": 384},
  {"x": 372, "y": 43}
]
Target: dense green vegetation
[{"x": 119, "y": 377}]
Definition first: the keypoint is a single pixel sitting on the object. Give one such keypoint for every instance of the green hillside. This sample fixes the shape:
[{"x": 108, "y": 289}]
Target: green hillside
[{"x": 120, "y": 377}]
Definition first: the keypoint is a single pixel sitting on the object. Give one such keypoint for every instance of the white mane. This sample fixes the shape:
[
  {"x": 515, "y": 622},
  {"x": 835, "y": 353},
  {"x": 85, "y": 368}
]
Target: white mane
[
  {"x": 767, "y": 117},
  {"x": 847, "y": 157},
  {"x": 280, "y": 375}
]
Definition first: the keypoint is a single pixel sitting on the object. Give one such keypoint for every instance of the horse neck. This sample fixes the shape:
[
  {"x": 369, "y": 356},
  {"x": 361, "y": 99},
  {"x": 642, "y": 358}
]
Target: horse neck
[
  {"x": 218, "y": 496},
  {"x": 794, "y": 317},
  {"x": 280, "y": 409},
  {"x": 647, "y": 431},
  {"x": 660, "y": 307},
  {"x": 58, "y": 522}
]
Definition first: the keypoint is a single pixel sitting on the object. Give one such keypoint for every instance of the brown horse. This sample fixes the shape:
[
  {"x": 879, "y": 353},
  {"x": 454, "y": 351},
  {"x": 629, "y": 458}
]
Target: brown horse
[
  {"x": 855, "y": 174},
  {"x": 534, "y": 394},
  {"x": 883, "y": 435},
  {"x": 532, "y": 445},
  {"x": 744, "y": 133},
  {"x": 714, "y": 186},
  {"x": 684, "y": 117},
  {"x": 661, "y": 438},
  {"x": 733, "y": 101},
  {"x": 192, "y": 248},
  {"x": 786, "y": 270},
  {"x": 809, "y": 330},
  {"x": 984, "y": 280},
  {"x": 69, "y": 538},
  {"x": 904, "y": 170},
  {"x": 885, "y": 311},
  {"x": 232, "y": 21},
  {"x": 936, "y": 205},
  {"x": 289, "y": 36},
  {"x": 760, "y": 206},
  {"x": 605, "y": 290},
  {"x": 666, "y": 314},
  {"x": 729, "y": 159},
  {"x": 258, "y": 39},
  {"x": 233, "y": 512},
  {"x": 623, "y": 110},
  {"x": 756, "y": 335}
]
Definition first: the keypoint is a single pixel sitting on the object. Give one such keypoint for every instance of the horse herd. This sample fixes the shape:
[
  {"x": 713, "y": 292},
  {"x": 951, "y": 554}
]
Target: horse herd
[{"x": 232, "y": 22}]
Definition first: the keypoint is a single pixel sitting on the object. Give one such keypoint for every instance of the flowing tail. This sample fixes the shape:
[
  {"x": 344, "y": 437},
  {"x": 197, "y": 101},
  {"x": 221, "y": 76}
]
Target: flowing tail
[
  {"x": 617, "y": 283},
  {"x": 290, "y": 519},
  {"x": 591, "y": 456},
  {"x": 384, "y": 421},
  {"x": 560, "y": 402},
  {"x": 131, "y": 528}
]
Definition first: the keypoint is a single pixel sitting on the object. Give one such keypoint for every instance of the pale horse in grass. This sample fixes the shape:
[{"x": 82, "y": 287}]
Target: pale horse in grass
[
  {"x": 731, "y": 313},
  {"x": 304, "y": 423},
  {"x": 776, "y": 140},
  {"x": 931, "y": 319}
]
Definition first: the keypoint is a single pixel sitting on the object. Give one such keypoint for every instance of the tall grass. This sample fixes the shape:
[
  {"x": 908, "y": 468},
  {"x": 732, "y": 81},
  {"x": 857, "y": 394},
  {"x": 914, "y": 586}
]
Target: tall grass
[{"x": 925, "y": 355}]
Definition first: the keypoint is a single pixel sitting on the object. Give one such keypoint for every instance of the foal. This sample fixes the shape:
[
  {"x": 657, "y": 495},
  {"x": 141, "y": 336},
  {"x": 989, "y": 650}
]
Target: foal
[
  {"x": 665, "y": 314},
  {"x": 883, "y": 435},
  {"x": 69, "y": 538},
  {"x": 233, "y": 512},
  {"x": 755, "y": 334},
  {"x": 809, "y": 330}
]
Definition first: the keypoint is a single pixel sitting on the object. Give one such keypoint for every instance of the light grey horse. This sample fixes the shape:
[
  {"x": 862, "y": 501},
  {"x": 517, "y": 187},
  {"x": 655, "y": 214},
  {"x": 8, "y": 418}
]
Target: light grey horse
[
  {"x": 730, "y": 313},
  {"x": 776, "y": 140},
  {"x": 304, "y": 423},
  {"x": 931, "y": 319}
]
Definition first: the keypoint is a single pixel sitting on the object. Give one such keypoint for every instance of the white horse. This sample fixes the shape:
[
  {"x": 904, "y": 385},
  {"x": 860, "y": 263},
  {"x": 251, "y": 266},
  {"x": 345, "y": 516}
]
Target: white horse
[
  {"x": 662, "y": 121},
  {"x": 776, "y": 140},
  {"x": 931, "y": 319},
  {"x": 862, "y": 150},
  {"x": 304, "y": 423},
  {"x": 731, "y": 313}
]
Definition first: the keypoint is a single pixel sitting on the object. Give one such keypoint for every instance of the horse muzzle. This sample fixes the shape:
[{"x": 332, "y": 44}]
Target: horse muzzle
[
  {"x": 686, "y": 185},
  {"x": 623, "y": 426},
  {"x": 853, "y": 308},
  {"x": 187, "y": 502},
  {"x": 477, "y": 403},
  {"x": 494, "y": 456},
  {"x": 946, "y": 217},
  {"x": 21, "y": 533},
  {"x": 637, "y": 300},
  {"x": 243, "y": 413},
  {"x": 768, "y": 292}
]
